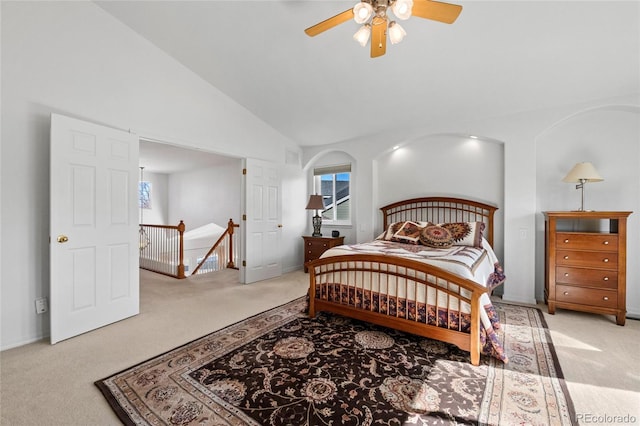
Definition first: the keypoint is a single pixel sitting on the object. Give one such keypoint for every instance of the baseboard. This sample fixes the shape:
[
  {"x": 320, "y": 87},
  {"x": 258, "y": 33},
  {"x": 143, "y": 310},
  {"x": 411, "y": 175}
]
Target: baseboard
[
  {"x": 23, "y": 343},
  {"x": 633, "y": 315},
  {"x": 519, "y": 300},
  {"x": 292, "y": 269}
]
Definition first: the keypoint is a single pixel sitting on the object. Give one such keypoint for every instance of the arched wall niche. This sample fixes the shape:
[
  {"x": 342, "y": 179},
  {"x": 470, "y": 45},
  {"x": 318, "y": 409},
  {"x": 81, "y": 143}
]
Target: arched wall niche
[
  {"x": 609, "y": 137},
  {"x": 443, "y": 165},
  {"x": 333, "y": 157}
]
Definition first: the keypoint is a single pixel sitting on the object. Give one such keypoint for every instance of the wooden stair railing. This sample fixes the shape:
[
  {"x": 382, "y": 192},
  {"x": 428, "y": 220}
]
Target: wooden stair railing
[
  {"x": 162, "y": 249},
  {"x": 227, "y": 234}
]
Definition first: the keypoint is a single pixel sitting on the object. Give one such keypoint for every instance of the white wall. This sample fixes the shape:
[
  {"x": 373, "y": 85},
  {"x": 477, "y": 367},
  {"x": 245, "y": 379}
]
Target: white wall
[
  {"x": 294, "y": 217},
  {"x": 335, "y": 158},
  {"x": 158, "y": 214},
  {"x": 206, "y": 195},
  {"x": 445, "y": 165},
  {"x": 519, "y": 133},
  {"x": 75, "y": 59},
  {"x": 609, "y": 137}
]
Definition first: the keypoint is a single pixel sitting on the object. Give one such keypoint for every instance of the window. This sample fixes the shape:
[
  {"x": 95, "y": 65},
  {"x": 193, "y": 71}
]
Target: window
[{"x": 334, "y": 184}]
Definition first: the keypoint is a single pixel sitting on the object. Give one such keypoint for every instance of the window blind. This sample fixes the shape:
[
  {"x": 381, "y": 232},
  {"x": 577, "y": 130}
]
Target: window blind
[{"x": 330, "y": 170}]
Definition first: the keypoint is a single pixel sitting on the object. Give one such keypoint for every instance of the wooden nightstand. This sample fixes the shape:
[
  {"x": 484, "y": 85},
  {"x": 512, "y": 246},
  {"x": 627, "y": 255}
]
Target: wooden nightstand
[
  {"x": 315, "y": 246},
  {"x": 586, "y": 266}
]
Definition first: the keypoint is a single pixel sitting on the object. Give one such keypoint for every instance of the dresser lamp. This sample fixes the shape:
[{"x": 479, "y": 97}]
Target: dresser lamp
[
  {"x": 581, "y": 174},
  {"x": 316, "y": 203}
]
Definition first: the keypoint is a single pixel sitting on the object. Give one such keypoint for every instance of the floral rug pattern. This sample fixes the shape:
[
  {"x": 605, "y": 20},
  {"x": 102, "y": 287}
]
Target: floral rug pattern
[{"x": 282, "y": 368}]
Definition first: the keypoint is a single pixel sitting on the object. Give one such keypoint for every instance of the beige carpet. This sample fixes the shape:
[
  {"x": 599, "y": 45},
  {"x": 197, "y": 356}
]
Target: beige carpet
[{"x": 599, "y": 359}]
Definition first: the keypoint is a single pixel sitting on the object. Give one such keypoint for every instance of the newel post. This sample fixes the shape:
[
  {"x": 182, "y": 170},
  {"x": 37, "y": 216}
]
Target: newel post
[
  {"x": 230, "y": 227},
  {"x": 181, "y": 250}
]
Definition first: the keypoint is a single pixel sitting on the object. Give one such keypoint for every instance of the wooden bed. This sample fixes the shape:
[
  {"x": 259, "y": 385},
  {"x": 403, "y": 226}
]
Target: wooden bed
[{"x": 359, "y": 273}]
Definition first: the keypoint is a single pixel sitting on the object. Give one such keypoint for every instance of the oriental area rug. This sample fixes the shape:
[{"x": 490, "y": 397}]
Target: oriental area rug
[{"x": 282, "y": 368}]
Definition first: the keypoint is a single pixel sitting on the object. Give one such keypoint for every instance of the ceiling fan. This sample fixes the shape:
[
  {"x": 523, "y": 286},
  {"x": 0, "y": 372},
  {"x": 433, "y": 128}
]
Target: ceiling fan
[{"x": 376, "y": 23}]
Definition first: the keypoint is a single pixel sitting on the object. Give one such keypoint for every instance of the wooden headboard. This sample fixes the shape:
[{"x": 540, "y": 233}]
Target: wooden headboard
[{"x": 439, "y": 210}]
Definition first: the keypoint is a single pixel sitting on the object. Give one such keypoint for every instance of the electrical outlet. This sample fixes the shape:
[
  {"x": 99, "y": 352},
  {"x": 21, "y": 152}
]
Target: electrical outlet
[{"x": 41, "y": 305}]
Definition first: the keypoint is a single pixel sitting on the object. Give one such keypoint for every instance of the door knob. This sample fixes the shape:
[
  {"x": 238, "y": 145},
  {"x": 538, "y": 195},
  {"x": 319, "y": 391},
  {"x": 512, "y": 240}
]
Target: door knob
[
  {"x": 62, "y": 238},
  {"x": 279, "y": 225}
]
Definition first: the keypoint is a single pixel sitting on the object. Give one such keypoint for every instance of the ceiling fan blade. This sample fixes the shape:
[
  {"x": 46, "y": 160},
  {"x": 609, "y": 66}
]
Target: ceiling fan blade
[
  {"x": 436, "y": 11},
  {"x": 327, "y": 24},
  {"x": 378, "y": 37}
]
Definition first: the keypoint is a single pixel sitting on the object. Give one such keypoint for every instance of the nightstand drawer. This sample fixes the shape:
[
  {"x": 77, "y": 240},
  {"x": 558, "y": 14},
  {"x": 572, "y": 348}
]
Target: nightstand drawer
[
  {"x": 587, "y": 277},
  {"x": 314, "y": 247},
  {"x": 589, "y": 259},
  {"x": 314, "y": 252},
  {"x": 319, "y": 245},
  {"x": 586, "y": 296},
  {"x": 586, "y": 241}
]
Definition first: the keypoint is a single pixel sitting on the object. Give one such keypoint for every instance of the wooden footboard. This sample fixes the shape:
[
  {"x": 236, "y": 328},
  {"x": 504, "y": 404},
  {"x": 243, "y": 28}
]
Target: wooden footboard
[{"x": 399, "y": 293}]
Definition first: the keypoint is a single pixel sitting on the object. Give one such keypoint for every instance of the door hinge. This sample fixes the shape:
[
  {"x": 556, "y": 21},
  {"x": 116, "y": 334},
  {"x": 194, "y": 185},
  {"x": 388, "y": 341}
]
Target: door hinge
[
  {"x": 244, "y": 263},
  {"x": 244, "y": 217},
  {"x": 244, "y": 171}
]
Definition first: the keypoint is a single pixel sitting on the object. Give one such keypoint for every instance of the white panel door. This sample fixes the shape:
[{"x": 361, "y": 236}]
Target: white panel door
[
  {"x": 263, "y": 229},
  {"x": 94, "y": 221}
]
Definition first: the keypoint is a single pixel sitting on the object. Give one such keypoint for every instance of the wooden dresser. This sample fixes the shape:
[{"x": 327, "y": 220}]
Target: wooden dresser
[
  {"x": 315, "y": 246},
  {"x": 586, "y": 262}
]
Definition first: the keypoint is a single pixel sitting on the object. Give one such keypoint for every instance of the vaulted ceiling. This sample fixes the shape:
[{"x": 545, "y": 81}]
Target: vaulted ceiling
[{"x": 498, "y": 58}]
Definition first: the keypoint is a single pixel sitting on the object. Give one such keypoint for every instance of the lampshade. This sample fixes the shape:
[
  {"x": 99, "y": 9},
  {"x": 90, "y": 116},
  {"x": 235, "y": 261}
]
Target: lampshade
[
  {"x": 315, "y": 203},
  {"x": 362, "y": 12},
  {"x": 402, "y": 9},
  {"x": 363, "y": 34},
  {"x": 583, "y": 172},
  {"x": 396, "y": 32}
]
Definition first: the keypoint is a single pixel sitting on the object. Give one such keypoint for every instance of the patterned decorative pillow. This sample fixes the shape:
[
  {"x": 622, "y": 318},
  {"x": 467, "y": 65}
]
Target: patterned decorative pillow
[
  {"x": 466, "y": 233},
  {"x": 408, "y": 233},
  {"x": 391, "y": 229},
  {"x": 388, "y": 233},
  {"x": 436, "y": 236}
]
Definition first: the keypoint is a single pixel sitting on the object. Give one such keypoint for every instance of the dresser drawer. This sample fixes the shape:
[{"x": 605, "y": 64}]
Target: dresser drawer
[
  {"x": 587, "y": 296},
  {"x": 587, "y": 259},
  {"x": 587, "y": 277},
  {"x": 586, "y": 241}
]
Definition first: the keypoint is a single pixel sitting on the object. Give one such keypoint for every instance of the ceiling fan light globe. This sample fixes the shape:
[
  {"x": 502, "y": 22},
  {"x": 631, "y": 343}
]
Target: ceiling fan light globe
[
  {"x": 362, "y": 12},
  {"x": 396, "y": 32},
  {"x": 363, "y": 34},
  {"x": 402, "y": 9}
]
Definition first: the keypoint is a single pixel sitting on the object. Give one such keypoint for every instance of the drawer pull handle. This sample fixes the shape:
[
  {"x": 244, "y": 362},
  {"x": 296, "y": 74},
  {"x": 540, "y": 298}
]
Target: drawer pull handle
[
  {"x": 566, "y": 258},
  {"x": 566, "y": 274},
  {"x": 606, "y": 260},
  {"x": 606, "y": 243},
  {"x": 606, "y": 278},
  {"x": 566, "y": 241},
  {"x": 605, "y": 298},
  {"x": 566, "y": 293}
]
